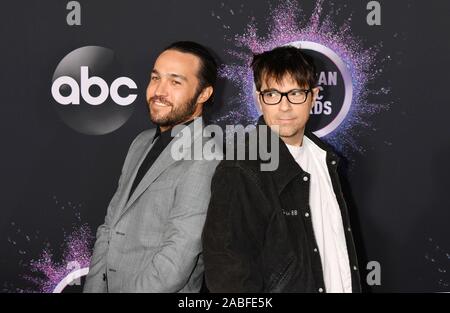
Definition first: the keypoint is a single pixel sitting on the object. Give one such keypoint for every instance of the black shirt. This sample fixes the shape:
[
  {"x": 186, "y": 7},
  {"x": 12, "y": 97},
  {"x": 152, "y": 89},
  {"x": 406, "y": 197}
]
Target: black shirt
[{"x": 162, "y": 141}]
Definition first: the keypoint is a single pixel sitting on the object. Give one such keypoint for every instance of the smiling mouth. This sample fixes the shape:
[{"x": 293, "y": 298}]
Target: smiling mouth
[{"x": 160, "y": 104}]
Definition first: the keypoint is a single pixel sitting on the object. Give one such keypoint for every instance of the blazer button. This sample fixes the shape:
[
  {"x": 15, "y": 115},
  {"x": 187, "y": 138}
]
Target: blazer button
[
  {"x": 104, "y": 276},
  {"x": 320, "y": 290}
]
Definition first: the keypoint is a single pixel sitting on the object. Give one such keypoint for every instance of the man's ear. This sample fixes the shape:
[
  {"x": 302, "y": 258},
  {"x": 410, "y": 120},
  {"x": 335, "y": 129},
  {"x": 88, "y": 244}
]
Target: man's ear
[
  {"x": 205, "y": 94},
  {"x": 315, "y": 94}
]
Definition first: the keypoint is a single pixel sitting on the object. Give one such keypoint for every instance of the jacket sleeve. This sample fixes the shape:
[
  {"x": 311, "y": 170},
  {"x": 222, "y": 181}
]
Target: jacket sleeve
[
  {"x": 233, "y": 236},
  {"x": 95, "y": 282},
  {"x": 170, "y": 268}
]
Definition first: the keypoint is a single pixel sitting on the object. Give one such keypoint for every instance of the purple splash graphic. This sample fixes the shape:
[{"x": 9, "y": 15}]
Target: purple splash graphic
[
  {"x": 55, "y": 267},
  {"x": 76, "y": 257},
  {"x": 288, "y": 24}
]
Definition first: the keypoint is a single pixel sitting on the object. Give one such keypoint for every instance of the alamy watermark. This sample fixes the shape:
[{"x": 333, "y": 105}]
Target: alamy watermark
[{"x": 251, "y": 142}]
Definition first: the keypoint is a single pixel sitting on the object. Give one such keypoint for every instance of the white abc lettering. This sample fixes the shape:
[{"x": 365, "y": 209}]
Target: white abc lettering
[
  {"x": 114, "y": 91},
  {"x": 73, "y": 98},
  {"x": 86, "y": 83}
]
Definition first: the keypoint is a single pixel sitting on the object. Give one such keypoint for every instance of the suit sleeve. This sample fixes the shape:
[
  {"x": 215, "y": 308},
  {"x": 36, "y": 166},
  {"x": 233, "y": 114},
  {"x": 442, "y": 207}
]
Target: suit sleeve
[
  {"x": 233, "y": 236},
  {"x": 170, "y": 268},
  {"x": 95, "y": 282}
]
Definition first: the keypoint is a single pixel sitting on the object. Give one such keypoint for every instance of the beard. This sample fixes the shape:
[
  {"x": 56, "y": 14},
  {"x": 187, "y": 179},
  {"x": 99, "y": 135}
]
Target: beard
[{"x": 178, "y": 115}]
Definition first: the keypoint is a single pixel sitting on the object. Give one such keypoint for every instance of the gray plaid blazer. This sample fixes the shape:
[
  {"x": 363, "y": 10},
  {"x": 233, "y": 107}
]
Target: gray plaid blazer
[{"x": 152, "y": 242}]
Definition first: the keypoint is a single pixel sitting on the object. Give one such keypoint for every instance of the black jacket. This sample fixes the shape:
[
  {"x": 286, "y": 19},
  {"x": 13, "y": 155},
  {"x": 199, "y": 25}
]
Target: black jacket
[{"x": 258, "y": 235}]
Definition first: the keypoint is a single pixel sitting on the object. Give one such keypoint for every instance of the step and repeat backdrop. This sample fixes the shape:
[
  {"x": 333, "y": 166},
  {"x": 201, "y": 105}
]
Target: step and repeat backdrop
[{"x": 73, "y": 79}]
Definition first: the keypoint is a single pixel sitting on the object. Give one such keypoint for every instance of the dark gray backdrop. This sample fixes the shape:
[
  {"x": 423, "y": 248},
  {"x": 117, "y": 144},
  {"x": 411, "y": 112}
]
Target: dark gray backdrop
[{"x": 53, "y": 178}]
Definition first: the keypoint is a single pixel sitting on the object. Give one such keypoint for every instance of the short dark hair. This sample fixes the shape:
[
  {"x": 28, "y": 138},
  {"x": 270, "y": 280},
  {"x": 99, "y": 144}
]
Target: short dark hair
[
  {"x": 207, "y": 74},
  {"x": 284, "y": 60}
]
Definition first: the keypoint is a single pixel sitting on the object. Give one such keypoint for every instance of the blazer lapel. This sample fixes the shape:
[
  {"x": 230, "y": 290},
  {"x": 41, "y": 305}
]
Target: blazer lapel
[
  {"x": 163, "y": 161},
  {"x": 137, "y": 157}
]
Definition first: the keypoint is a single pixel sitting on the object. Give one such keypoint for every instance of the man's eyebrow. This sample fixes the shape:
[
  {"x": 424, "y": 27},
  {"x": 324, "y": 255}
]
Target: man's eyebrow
[
  {"x": 271, "y": 89},
  {"x": 173, "y": 75}
]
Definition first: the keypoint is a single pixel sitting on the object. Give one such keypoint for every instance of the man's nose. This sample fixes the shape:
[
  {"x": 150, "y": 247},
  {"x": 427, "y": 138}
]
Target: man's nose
[
  {"x": 284, "y": 104},
  {"x": 161, "y": 88}
]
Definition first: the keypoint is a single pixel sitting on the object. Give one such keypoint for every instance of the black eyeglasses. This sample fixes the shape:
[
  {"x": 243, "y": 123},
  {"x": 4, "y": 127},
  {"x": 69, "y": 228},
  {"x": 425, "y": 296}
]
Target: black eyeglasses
[{"x": 294, "y": 96}]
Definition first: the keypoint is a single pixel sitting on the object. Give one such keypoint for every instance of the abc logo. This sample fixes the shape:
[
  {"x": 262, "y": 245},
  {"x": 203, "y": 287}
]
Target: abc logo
[
  {"x": 90, "y": 92},
  {"x": 86, "y": 83}
]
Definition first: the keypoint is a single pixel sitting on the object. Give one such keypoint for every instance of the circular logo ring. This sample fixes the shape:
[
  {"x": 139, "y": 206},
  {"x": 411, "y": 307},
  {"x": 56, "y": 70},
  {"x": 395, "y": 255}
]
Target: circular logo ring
[{"x": 347, "y": 77}]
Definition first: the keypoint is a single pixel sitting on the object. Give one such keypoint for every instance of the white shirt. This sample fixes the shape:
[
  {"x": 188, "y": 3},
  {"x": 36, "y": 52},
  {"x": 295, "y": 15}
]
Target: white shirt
[{"x": 326, "y": 217}]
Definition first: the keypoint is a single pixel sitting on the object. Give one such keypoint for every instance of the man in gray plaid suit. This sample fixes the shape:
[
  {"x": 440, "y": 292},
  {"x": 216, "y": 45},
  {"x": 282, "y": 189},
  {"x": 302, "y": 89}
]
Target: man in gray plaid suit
[{"x": 151, "y": 238}]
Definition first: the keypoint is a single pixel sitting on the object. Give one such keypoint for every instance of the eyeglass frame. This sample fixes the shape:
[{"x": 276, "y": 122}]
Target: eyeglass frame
[{"x": 261, "y": 94}]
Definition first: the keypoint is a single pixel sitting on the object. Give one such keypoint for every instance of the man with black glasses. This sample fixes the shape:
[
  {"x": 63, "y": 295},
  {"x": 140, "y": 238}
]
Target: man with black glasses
[{"x": 285, "y": 230}]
